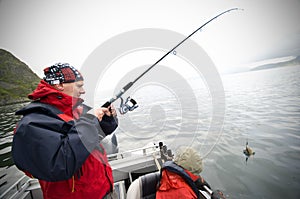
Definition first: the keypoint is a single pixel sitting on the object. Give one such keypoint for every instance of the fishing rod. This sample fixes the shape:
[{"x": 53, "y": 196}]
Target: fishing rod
[{"x": 125, "y": 107}]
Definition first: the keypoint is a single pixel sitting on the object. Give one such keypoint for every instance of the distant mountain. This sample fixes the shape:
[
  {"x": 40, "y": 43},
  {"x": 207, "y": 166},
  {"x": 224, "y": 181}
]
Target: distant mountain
[
  {"x": 16, "y": 79},
  {"x": 293, "y": 62}
]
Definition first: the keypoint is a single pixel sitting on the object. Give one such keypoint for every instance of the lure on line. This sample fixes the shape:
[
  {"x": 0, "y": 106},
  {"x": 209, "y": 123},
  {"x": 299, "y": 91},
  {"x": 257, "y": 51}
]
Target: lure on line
[
  {"x": 248, "y": 152},
  {"x": 124, "y": 106}
]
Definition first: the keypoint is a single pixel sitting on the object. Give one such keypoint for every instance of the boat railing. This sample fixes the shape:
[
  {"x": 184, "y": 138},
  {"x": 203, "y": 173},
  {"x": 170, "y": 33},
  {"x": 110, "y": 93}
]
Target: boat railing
[{"x": 144, "y": 151}]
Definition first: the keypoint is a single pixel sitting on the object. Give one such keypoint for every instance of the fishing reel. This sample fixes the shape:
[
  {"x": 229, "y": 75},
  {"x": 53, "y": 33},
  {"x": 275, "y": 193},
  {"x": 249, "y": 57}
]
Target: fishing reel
[{"x": 129, "y": 105}]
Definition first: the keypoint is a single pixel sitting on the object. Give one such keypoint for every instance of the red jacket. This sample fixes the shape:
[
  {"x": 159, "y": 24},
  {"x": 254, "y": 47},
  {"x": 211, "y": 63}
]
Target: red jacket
[
  {"x": 90, "y": 173},
  {"x": 173, "y": 184}
]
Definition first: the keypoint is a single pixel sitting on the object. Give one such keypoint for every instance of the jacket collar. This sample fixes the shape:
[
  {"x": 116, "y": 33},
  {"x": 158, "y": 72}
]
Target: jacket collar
[{"x": 47, "y": 94}]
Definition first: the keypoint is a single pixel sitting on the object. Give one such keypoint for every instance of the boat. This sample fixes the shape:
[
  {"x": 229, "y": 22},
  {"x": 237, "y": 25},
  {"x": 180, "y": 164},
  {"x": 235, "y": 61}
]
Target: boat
[{"x": 127, "y": 166}]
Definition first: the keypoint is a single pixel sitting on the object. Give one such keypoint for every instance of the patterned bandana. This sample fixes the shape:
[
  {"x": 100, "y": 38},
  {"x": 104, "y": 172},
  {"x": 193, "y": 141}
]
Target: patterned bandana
[{"x": 61, "y": 73}]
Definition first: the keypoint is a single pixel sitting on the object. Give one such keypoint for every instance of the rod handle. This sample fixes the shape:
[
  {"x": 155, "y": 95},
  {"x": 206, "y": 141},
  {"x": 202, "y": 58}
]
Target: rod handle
[{"x": 106, "y": 104}]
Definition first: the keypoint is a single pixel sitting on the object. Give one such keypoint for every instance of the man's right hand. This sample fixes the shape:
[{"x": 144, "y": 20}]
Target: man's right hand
[{"x": 109, "y": 111}]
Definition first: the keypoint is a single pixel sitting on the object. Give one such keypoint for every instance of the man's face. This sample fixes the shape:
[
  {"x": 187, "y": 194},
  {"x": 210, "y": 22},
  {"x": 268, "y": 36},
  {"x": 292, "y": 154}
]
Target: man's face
[{"x": 74, "y": 89}]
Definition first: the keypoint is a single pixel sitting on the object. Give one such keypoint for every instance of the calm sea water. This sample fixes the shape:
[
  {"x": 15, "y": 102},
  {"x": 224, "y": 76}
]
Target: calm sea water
[{"x": 261, "y": 107}]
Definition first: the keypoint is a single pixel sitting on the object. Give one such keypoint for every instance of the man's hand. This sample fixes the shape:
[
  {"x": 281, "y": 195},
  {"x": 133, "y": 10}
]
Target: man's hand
[
  {"x": 109, "y": 111},
  {"x": 112, "y": 110}
]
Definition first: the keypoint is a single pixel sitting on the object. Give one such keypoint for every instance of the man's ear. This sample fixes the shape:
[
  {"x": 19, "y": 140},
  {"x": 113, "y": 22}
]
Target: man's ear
[{"x": 59, "y": 87}]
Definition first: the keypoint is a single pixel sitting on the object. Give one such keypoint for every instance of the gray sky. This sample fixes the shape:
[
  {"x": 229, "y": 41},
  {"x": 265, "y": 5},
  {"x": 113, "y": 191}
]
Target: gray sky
[{"x": 42, "y": 32}]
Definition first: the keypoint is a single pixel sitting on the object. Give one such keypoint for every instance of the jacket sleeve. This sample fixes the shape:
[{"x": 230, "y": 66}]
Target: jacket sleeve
[
  {"x": 52, "y": 149},
  {"x": 108, "y": 124}
]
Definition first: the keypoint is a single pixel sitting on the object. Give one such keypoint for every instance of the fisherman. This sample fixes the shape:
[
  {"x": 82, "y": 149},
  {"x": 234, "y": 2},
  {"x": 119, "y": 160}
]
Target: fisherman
[
  {"x": 57, "y": 139},
  {"x": 178, "y": 179}
]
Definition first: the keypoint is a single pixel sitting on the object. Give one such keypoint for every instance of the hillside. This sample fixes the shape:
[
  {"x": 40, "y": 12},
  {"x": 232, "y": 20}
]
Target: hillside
[
  {"x": 16, "y": 79},
  {"x": 292, "y": 62}
]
